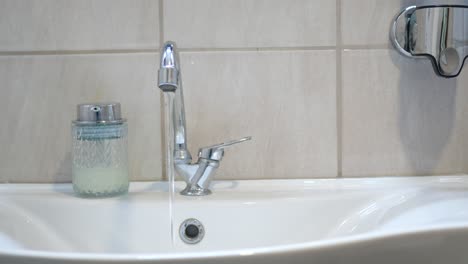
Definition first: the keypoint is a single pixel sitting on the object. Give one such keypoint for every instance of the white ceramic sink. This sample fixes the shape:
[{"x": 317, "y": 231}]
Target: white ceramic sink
[{"x": 366, "y": 220}]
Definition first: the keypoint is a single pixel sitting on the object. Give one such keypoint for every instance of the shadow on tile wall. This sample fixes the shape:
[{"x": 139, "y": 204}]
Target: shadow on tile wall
[
  {"x": 62, "y": 174},
  {"x": 426, "y": 113}
]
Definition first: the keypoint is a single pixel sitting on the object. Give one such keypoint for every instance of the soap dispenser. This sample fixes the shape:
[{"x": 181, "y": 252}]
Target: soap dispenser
[{"x": 99, "y": 151}]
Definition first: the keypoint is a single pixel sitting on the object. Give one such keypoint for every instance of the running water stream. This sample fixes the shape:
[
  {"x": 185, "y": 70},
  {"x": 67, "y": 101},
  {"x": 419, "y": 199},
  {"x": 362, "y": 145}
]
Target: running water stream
[{"x": 169, "y": 154}]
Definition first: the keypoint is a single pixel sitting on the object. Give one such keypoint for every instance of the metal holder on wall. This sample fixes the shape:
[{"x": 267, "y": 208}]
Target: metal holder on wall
[{"x": 439, "y": 33}]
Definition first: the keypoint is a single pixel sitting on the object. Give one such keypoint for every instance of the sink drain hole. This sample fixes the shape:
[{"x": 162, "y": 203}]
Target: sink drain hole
[{"x": 191, "y": 231}]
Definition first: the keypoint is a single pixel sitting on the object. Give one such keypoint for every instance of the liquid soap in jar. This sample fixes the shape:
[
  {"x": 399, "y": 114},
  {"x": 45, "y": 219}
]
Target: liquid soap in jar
[{"x": 99, "y": 152}]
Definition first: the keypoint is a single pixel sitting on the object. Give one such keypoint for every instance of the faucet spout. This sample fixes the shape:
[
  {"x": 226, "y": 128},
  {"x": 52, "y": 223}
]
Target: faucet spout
[
  {"x": 170, "y": 80},
  {"x": 169, "y": 71}
]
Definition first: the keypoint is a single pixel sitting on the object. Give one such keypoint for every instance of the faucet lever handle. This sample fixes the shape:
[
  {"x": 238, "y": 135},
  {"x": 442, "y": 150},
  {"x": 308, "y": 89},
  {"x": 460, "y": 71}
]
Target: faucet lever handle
[{"x": 216, "y": 152}]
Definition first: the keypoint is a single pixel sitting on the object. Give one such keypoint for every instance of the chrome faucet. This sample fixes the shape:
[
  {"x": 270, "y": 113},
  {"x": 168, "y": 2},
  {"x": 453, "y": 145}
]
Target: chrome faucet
[{"x": 198, "y": 175}]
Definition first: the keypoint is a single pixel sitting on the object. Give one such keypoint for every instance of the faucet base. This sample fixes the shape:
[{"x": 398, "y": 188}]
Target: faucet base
[{"x": 191, "y": 190}]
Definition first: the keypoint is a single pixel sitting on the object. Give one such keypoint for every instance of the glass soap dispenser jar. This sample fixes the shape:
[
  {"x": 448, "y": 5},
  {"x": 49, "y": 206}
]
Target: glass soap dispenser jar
[{"x": 99, "y": 151}]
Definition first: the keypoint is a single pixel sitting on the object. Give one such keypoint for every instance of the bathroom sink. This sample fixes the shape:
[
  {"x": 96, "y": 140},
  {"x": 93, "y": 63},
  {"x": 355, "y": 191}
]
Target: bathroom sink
[{"x": 364, "y": 220}]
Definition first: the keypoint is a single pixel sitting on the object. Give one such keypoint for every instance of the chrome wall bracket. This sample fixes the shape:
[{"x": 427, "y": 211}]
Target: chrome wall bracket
[{"x": 439, "y": 33}]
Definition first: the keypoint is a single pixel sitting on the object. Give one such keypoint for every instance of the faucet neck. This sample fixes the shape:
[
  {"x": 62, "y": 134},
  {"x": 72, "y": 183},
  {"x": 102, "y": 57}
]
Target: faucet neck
[{"x": 181, "y": 153}]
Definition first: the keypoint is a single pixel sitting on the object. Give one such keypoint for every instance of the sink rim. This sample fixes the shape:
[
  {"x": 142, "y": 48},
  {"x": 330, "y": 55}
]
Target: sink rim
[
  {"x": 297, "y": 247},
  {"x": 258, "y": 186}
]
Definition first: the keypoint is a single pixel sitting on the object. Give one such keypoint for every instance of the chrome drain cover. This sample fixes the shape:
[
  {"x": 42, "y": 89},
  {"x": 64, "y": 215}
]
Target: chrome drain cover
[{"x": 191, "y": 231}]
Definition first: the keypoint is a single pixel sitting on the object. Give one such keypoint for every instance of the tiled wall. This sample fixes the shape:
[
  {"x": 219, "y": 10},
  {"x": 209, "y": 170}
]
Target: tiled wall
[{"x": 315, "y": 82}]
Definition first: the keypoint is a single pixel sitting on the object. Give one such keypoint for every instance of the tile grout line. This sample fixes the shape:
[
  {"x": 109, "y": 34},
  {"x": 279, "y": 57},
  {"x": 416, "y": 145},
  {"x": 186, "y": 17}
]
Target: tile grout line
[
  {"x": 152, "y": 50},
  {"x": 339, "y": 92},
  {"x": 161, "y": 23},
  {"x": 258, "y": 49},
  {"x": 76, "y": 52},
  {"x": 161, "y": 98}
]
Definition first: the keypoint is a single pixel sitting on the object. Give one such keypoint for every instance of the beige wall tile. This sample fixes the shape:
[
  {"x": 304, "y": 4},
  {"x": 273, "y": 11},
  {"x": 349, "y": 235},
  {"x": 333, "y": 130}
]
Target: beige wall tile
[
  {"x": 246, "y": 23},
  {"x": 37, "y": 103},
  {"x": 367, "y": 22},
  {"x": 78, "y": 25},
  {"x": 400, "y": 118},
  {"x": 285, "y": 100}
]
